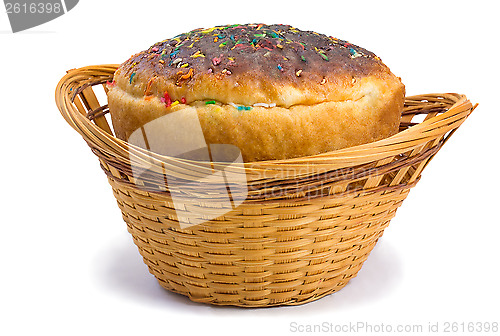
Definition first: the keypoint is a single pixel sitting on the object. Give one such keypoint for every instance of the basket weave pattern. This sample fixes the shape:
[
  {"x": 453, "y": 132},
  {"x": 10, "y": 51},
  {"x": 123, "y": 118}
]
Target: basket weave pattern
[{"x": 307, "y": 224}]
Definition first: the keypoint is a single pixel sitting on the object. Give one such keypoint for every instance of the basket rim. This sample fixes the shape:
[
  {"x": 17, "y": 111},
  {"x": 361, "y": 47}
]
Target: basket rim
[{"x": 396, "y": 144}]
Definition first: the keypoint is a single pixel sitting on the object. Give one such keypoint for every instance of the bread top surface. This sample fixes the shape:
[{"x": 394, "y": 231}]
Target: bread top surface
[{"x": 251, "y": 64}]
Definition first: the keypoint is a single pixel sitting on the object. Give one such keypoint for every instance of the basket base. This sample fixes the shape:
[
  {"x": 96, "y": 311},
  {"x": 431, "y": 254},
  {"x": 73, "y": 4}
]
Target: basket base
[
  {"x": 263, "y": 293},
  {"x": 229, "y": 300},
  {"x": 258, "y": 260}
]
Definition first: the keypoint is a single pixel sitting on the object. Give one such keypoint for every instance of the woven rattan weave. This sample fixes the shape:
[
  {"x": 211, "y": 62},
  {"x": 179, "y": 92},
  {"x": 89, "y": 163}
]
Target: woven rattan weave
[{"x": 306, "y": 226}]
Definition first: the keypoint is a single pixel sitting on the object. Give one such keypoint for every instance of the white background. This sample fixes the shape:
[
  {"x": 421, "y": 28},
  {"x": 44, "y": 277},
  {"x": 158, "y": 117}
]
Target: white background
[{"x": 69, "y": 267}]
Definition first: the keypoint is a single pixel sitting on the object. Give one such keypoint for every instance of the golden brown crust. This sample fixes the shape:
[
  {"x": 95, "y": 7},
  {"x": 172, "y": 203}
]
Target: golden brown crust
[{"x": 328, "y": 94}]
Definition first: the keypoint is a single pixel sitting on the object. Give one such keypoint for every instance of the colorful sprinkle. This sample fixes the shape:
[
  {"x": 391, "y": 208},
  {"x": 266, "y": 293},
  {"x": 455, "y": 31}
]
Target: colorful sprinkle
[
  {"x": 322, "y": 53},
  {"x": 273, "y": 34},
  {"x": 197, "y": 54},
  {"x": 147, "y": 92},
  {"x": 216, "y": 60},
  {"x": 166, "y": 99},
  {"x": 131, "y": 77},
  {"x": 354, "y": 53},
  {"x": 298, "y": 72},
  {"x": 301, "y": 45},
  {"x": 183, "y": 100},
  {"x": 280, "y": 67},
  {"x": 264, "y": 105},
  {"x": 177, "y": 60},
  {"x": 210, "y": 102},
  {"x": 240, "y": 107},
  {"x": 174, "y": 103},
  {"x": 241, "y": 46},
  {"x": 208, "y": 30},
  {"x": 189, "y": 74},
  {"x": 172, "y": 54}
]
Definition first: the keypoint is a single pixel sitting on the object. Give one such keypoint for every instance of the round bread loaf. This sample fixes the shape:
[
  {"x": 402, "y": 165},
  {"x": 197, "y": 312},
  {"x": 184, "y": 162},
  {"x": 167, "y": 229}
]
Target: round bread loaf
[{"x": 273, "y": 91}]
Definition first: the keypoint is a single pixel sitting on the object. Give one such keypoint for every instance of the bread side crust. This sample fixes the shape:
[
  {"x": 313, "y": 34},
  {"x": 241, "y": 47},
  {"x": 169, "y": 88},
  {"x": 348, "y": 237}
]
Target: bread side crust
[{"x": 364, "y": 110}]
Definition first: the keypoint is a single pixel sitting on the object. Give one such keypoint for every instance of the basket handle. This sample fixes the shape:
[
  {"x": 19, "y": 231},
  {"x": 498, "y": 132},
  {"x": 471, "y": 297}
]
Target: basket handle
[{"x": 445, "y": 113}]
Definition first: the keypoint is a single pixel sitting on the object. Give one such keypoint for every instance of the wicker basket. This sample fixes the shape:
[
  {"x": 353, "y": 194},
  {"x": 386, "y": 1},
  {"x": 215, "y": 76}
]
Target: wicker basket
[{"x": 306, "y": 226}]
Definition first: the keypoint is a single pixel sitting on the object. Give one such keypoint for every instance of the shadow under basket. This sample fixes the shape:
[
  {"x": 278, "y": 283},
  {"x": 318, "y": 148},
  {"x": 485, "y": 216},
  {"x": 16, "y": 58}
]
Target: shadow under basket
[{"x": 306, "y": 224}]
